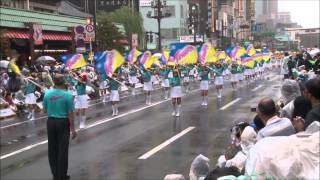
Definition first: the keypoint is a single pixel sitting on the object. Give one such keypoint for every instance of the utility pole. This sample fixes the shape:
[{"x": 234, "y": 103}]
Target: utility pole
[{"x": 158, "y": 7}]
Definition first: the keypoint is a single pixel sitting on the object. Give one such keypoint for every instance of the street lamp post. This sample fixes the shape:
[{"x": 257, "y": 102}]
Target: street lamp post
[{"x": 158, "y": 7}]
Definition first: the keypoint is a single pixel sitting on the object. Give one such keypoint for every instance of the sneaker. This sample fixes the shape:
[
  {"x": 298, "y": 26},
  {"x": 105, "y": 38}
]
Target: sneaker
[
  {"x": 202, "y": 104},
  {"x": 81, "y": 126},
  {"x": 173, "y": 113},
  {"x": 29, "y": 115},
  {"x": 32, "y": 118},
  {"x": 178, "y": 114}
]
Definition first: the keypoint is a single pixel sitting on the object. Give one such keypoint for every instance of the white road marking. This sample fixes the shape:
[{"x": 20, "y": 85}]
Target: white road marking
[
  {"x": 230, "y": 104},
  {"x": 166, "y": 143},
  {"x": 43, "y": 117},
  {"x": 89, "y": 126},
  {"x": 256, "y": 88}
]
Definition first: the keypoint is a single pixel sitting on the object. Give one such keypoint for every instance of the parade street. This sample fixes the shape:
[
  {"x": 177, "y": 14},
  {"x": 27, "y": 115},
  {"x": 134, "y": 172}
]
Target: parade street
[{"x": 142, "y": 142}]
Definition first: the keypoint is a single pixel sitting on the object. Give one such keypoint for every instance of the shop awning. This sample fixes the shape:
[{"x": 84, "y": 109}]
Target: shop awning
[{"x": 48, "y": 36}]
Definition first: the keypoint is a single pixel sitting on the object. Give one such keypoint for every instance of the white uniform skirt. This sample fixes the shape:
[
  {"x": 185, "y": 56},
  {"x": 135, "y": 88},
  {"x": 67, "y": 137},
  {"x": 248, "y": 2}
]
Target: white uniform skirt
[
  {"x": 165, "y": 83},
  {"x": 81, "y": 102},
  {"x": 186, "y": 79},
  {"x": 246, "y": 72},
  {"x": 114, "y": 96},
  {"x": 133, "y": 80},
  {"x": 240, "y": 77},
  {"x": 147, "y": 86},
  {"x": 218, "y": 81},
  {"x": 176, "y": 92},
  {"x": 102, "y": 85},
  {"x": 204, "y": 85},
  {"x": 234, "y": 78},
  {"x": 31, "y": 99}
]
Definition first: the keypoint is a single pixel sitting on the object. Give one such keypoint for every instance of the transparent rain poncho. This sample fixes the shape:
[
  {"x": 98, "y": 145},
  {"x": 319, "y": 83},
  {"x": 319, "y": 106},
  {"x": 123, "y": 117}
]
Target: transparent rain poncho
[
  {"x": 289, "y": 91},
  {"x": 199, "y": 168}
]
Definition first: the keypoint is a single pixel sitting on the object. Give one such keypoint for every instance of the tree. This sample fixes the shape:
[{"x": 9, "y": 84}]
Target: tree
[
  {"x": 108, "y": 35},
  {"x": 132, "y": 21}
]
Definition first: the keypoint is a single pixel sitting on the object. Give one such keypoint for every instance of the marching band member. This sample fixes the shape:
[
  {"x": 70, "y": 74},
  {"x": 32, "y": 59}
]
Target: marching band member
[
  {"x": 103, "y": 87},
  {"x": 176, "y": 93},
  {"x": 164, "y": 73},
  {"x": 218, "y": 70},
  {"x": 185, "y": 70},
  {"x": 147, "y": 85},
  {"x": 114, "y": 86},
  {"x": 81, "y": 102},
  {"x": 204, "y": 84},
  {"x": 234, "y": 75},
  {"x": 133, "y": 80},
  {"x": 31, "y": 99}
]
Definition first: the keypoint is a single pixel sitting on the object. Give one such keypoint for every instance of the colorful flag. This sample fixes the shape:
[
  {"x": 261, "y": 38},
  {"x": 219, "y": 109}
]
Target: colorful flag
[
  {"x": 146, "y": 60},
  {"x": 206, "y": 54},
  {"x": 133, "y": 56},
  {"x": 13, "y": 66},
  {"x": 109, "y": 62},
  {"x": 247, "y": 61},
  {"x": 251, "y": 50},
  {"x": 235, "y": 52},
  {"x": 222, "y": 55},
  {"x": 75, "y": 62},
  {"x": 186, "y": 55}
]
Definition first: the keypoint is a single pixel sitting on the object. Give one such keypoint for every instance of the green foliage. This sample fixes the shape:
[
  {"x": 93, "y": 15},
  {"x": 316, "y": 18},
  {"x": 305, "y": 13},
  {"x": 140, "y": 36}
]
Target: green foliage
[
  {"x": 107, "y": 34},
  {"x": 131, "y": 20}
]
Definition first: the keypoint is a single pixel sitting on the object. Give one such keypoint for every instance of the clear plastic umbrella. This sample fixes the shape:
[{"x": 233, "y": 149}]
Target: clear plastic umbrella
[
  {"x": 4, "y": 64},
  {"x": 46, "y": 59}
]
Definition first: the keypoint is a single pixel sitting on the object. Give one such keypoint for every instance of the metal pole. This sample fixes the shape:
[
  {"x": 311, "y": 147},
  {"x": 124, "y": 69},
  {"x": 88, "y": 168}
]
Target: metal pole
[{"x": 159, "y": 24}]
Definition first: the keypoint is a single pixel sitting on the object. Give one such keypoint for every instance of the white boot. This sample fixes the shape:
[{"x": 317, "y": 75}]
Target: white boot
[
  {"x": 32, "y": 115},
  {"x": 29, "y": 115},
  {"x": 133, "y": 92},
  {"x": 116, "y": 109},
  {"x": 81, "y": 123},
  {"x": 178, "y": 110},
  {"x": 174, "y": 110},
  {"x": 166, "y": 94},
  {"x": 149, "y": 100},
  {"x": 206, "y": 100},
  {"x": 219, "y": 93},
  {"x": 113, "y": 110}
]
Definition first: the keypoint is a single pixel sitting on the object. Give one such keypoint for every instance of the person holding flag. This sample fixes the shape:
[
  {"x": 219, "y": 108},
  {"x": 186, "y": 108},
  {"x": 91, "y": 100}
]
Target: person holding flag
[
  {"x": 218, "y": 71},
  {"x": 164, "y": 73},
  {"x": 176, "y": 93},
  {"x": 234, "y": 74},
  {"x": 103, "y": 87},
  {"x": 81, "y": 102},
  {"x": 185, "y": 70},
  {"x": 114, "y": 86},
  {"x": 147, "y": 85},
  {"x": 133, "y": 80},
  {"x": 204, "y": 83},
  {"x": 31, "y": 99}
]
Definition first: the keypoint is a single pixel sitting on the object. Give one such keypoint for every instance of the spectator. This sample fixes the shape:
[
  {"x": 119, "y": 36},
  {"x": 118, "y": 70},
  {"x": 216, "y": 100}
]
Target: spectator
[
  {"x": 217, "y": 173},
  {"x": 257, "y": 123},
  {"x": 301, "y": 107},
  {"x": 274, "y": 126},
  {"x": 312, "y": 94},
  {"x": 289, "y": 91},
  {"x": 285, "y": 68}
]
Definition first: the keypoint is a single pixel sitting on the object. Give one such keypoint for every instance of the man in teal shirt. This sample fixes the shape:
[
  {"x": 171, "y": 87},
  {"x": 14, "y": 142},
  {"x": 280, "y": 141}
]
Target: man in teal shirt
[{"x": 58, "y": 103}]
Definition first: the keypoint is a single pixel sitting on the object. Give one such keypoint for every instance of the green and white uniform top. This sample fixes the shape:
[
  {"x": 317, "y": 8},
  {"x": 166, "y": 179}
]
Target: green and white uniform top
[
  {"x": 204, "y": 74},
  {"x": 81, "y": 88},
  {"x": 30, "y": 88},
  {"x": 219, "y": 71},
  {"x": 133, "y": 72},
  {"x": 146, "y": 76},
  {"x": 165, "y": 73},
  {"x": 114, "y": 85},
  {"x": 234, "y": 69},
  {"x": 175, "y": 81},
  {"x": 58, "y": 103},
  {"x": 185, "y": 71}
]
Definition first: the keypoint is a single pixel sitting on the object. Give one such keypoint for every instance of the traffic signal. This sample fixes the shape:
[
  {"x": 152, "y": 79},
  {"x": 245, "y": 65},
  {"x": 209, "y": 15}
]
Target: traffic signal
[
  {"x": 147, "y": 37},
  {"x": 151, "y": 38}
]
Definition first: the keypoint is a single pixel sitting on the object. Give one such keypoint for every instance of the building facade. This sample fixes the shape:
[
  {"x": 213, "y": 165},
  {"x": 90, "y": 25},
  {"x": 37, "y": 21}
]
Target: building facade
[{"x": 171, "y": 27}]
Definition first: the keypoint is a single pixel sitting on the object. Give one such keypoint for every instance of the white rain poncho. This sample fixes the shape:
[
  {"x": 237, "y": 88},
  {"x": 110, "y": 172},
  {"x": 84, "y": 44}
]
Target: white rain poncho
[
  {"x": 289, "y": 91},
  {"x": 286, "y": 157},
  {"x": 174, "y": 177},
  {"x": 199, "y": 167},
  {"x": 248, "y": 139}
]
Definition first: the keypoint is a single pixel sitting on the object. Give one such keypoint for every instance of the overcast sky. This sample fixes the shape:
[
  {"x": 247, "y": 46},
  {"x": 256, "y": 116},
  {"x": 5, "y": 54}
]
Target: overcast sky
[{"x": 304, "y": 12}]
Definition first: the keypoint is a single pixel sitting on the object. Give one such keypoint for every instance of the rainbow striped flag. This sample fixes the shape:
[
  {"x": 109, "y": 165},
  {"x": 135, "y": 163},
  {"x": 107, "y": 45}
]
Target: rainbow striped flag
[
  {"x": 247, "y": 61},
  {"x": 76, "y": 61},
  {"x": 251, "y": 50},
  {"x": 109, "y": 62},
  {"x": 133, "y": 56},
  {"x": 206, "y": 54},
  {"x": 186, "y": 55}
]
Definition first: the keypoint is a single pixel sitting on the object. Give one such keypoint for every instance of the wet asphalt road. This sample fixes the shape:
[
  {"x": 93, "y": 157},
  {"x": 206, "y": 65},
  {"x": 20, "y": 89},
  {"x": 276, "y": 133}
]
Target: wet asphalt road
[{"x": 110, "y": 147}]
